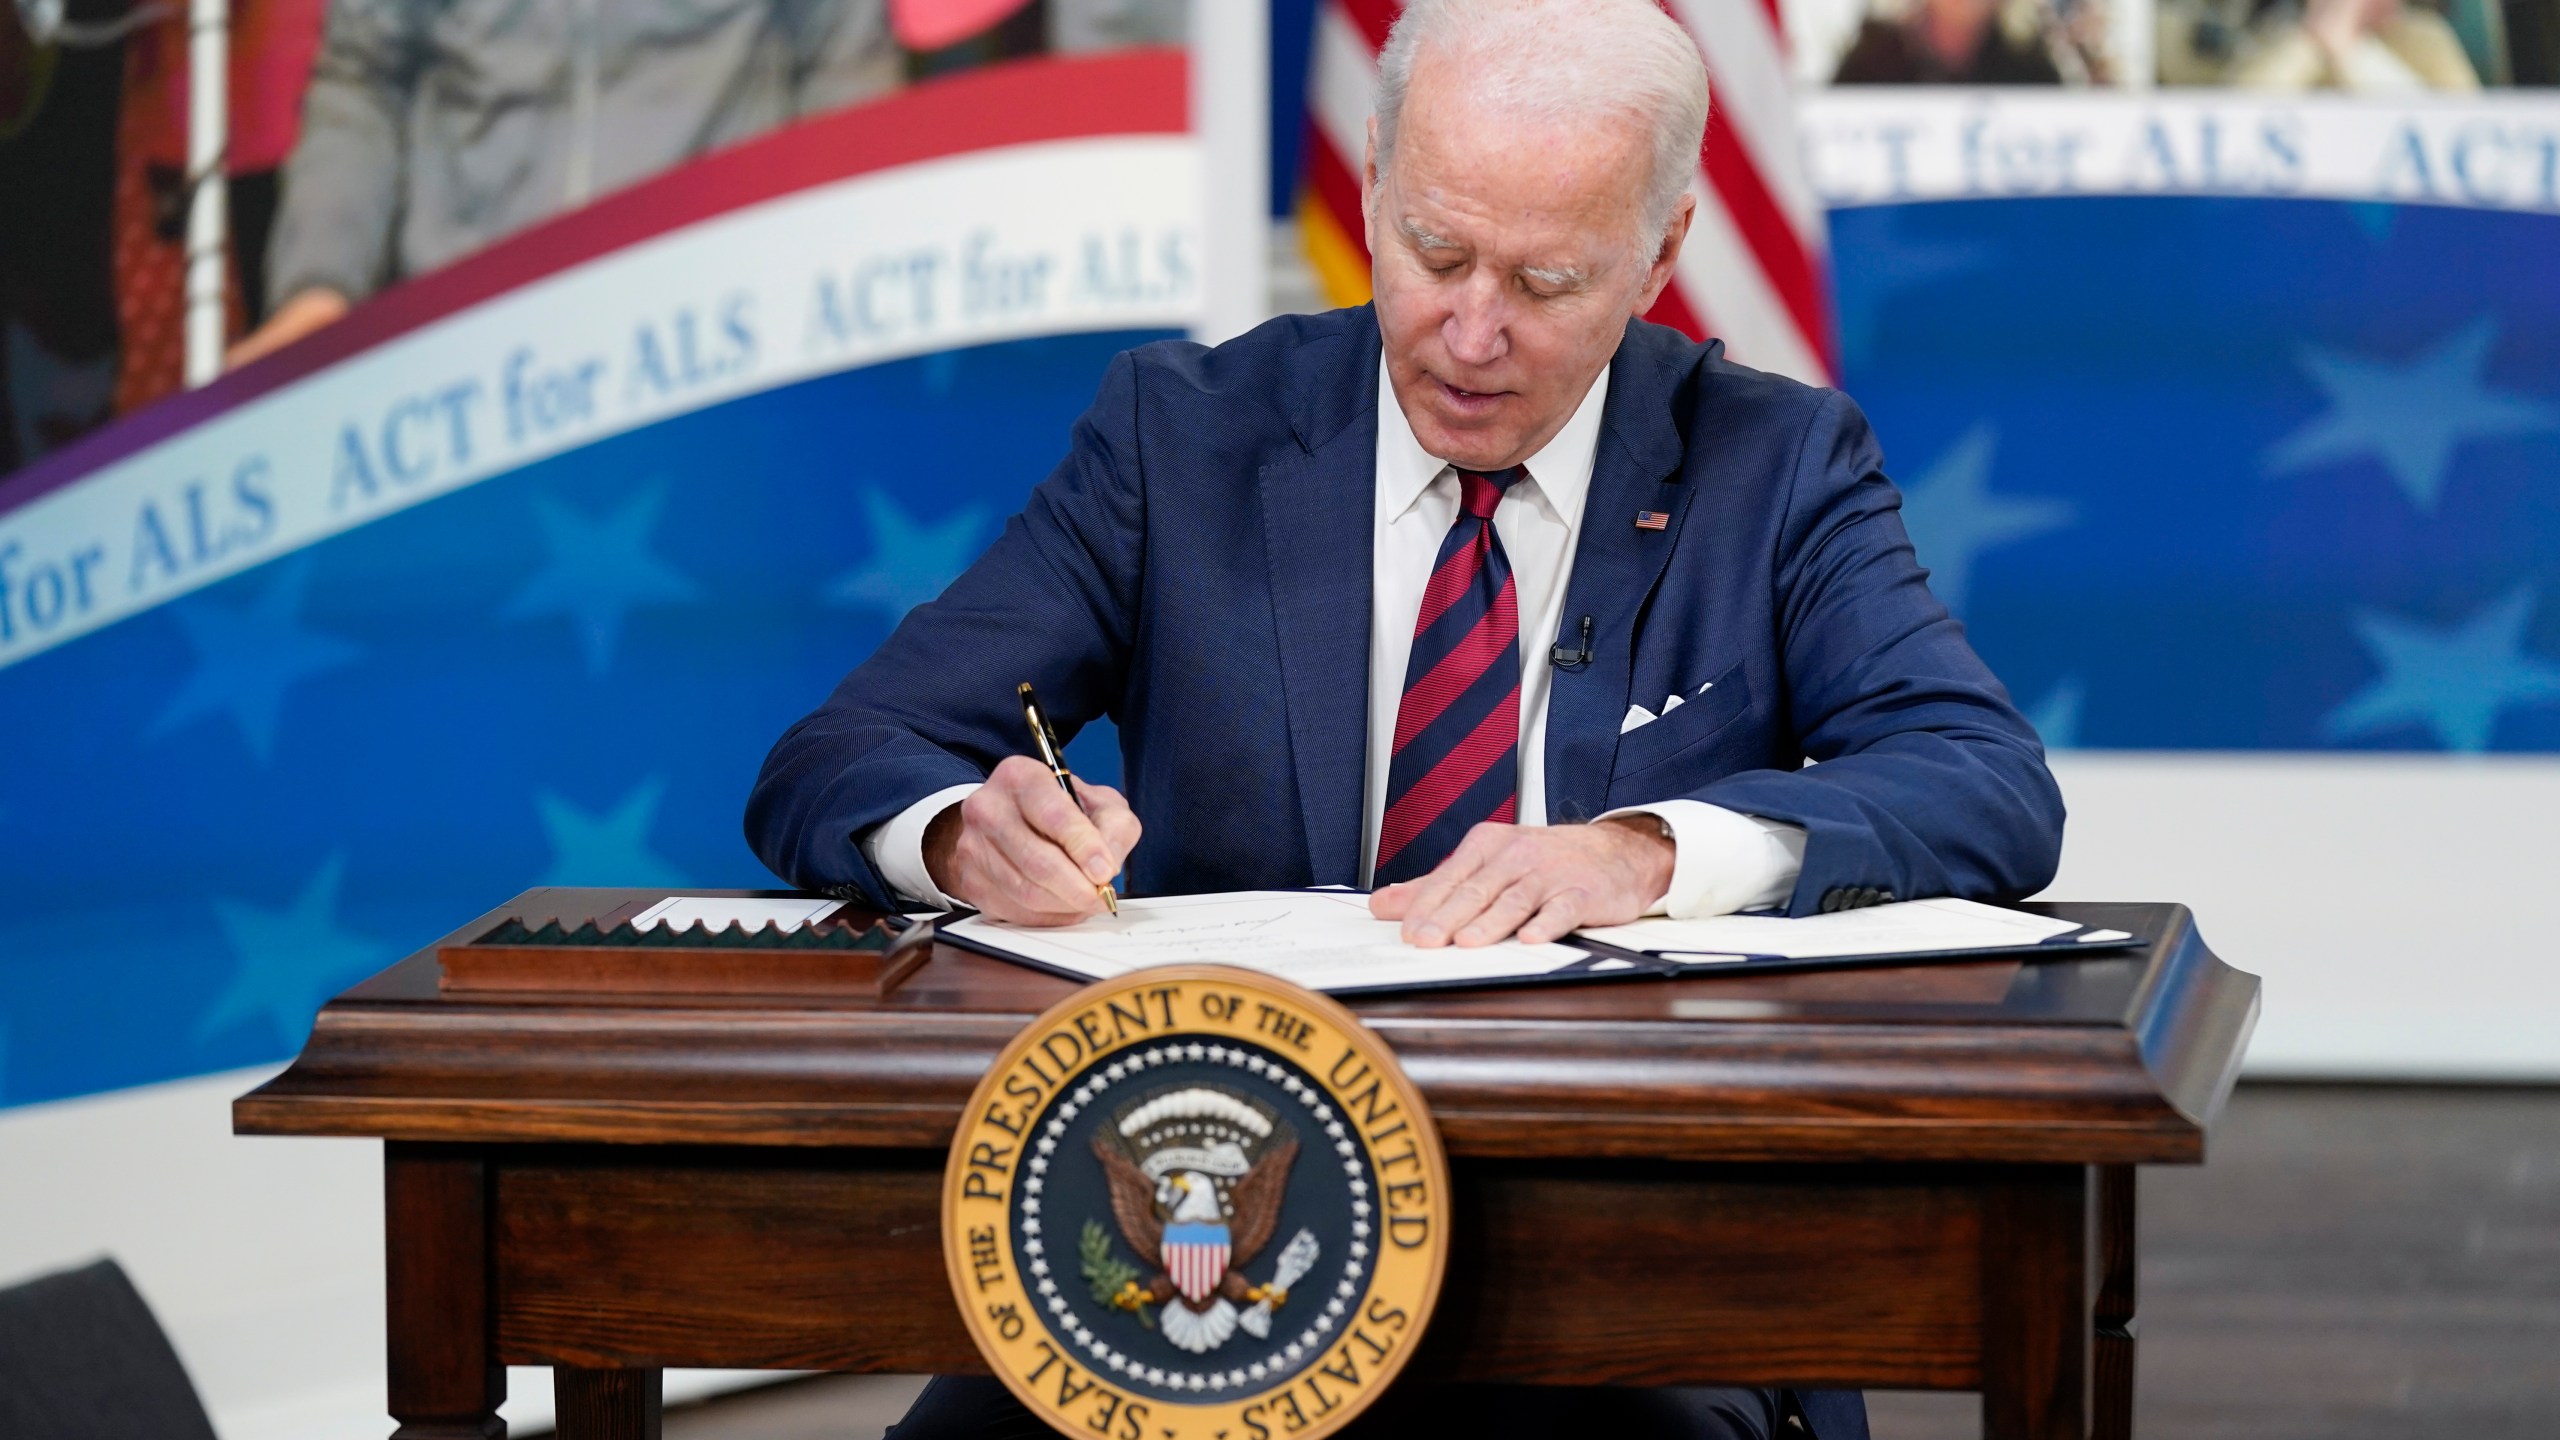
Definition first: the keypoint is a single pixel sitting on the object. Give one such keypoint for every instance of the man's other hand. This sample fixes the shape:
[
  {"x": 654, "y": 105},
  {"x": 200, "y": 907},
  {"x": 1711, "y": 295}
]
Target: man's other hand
[
  {"x": 1020, "y": 851},
  {"x": 1536, "y": 881}
]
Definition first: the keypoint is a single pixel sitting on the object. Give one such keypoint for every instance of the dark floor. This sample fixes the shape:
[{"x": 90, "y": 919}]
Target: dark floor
[
  {"x": 2355, "y": 1262},
  {"x": 831, "y": 1407}
]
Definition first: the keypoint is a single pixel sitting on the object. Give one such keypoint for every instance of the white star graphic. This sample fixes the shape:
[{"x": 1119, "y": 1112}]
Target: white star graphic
[
  {"x": 2057, "y": 716},
  {"x": 1953, "y": 517},
  {"x": 600, "y": 570},
  {"x": 610, "y": 846},
  {"x": 247, "y": 658},
  {"x": 2453, "y": 679},
  {"x": 290, "y": 960},
  {"x": 2409, "y": 417},
  {"x": 911, "y": 561}
]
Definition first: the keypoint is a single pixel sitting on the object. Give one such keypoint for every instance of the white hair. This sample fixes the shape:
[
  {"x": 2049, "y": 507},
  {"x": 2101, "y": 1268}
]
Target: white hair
[{"x": 1564, "y": 59}]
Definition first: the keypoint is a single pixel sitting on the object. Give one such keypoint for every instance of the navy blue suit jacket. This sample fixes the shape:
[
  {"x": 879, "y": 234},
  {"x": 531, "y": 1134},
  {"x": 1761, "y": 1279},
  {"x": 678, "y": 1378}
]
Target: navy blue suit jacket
[{"x": 1197, "y": 568}]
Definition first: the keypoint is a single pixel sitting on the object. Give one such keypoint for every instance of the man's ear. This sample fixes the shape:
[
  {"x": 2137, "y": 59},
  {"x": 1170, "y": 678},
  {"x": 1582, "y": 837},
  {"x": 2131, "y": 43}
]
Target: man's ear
[
  {"x": 1369, "y": 188},
  {"x": 1666, "y": 261}
]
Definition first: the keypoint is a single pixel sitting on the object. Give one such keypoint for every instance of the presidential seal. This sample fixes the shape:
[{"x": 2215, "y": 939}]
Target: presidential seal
[{"x": 1196, "y": 1203}]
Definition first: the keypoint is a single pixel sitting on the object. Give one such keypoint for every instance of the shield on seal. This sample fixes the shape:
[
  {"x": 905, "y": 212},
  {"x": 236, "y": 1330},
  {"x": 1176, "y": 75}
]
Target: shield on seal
[{"x": 1196, "y": 1257}]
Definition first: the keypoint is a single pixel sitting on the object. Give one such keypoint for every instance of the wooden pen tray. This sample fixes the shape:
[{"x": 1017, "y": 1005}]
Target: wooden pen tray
[{"x": 828, "y": 957}]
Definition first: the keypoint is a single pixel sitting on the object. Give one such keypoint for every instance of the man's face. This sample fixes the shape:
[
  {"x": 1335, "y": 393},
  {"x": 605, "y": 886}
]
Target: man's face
[{"x": 1505, "y": 266}]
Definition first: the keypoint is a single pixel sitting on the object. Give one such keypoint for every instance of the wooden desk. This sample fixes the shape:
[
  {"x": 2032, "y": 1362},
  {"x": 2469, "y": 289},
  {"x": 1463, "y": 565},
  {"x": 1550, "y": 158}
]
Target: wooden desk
[{"x": 1916, "y": 1177}]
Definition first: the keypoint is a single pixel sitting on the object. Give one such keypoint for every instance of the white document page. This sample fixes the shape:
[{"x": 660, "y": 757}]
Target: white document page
[
  {"x": 1909, "y": 927},
  {"x": 1324, "y": 940},
  {"x": 713, "y": 912}
]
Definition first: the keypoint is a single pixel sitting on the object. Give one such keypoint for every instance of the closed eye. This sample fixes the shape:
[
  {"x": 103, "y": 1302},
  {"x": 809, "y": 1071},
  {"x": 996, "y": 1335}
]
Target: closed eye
[{"x": 1438, "y": 253}]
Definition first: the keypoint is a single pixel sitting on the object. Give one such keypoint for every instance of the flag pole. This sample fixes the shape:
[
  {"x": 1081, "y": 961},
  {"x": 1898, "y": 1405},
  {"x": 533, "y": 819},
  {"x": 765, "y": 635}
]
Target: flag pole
[
  {"x": 1231, "y": 124},
  {"x": 208, "y": 213}
]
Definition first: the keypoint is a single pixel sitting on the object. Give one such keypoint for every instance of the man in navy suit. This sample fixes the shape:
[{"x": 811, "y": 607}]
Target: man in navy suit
[{"x": 1398, "y": 596}]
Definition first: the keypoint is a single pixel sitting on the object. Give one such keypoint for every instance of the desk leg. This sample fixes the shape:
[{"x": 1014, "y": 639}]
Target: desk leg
[
  {"x": 2117, "y": 1327},
  {"x": 446, "y": 1382},
  {"x": 607, "y": 1404},
  {"x": 2038, "y": 1269}
]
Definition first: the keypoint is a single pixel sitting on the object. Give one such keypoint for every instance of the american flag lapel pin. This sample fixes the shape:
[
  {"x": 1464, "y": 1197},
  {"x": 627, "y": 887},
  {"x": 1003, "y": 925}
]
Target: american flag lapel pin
[{"x": 1652, "y": 520}]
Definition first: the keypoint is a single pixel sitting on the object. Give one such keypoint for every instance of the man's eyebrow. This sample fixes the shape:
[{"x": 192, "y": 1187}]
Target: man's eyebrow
[
  {"x": 1414, "y": 231},
  {"x": 1559, "y": 277}
]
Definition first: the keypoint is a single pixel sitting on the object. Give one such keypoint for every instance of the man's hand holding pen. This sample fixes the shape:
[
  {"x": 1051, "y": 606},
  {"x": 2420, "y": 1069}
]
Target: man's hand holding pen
[{"x": 1020, "y": 850}]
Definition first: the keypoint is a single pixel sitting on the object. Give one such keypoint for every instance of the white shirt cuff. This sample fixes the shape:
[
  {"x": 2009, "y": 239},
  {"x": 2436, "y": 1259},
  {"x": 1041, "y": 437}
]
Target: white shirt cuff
[
  {"x": 896, "y": 848},
  {"x": 1723, "y": 860}
]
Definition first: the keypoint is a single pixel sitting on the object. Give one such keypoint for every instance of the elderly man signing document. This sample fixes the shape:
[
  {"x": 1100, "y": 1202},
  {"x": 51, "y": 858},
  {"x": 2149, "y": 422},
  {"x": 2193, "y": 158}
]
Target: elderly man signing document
[{"x": 1491, "y": 597}]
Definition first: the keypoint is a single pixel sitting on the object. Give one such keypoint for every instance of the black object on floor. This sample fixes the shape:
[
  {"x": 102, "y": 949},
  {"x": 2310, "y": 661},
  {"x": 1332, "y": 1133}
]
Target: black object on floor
[{"x": 81, "y": 1358}]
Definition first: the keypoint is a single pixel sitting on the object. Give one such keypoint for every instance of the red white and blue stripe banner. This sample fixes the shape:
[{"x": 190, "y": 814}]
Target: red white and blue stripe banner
[
  {"x": 1041, "y": 198},
  {"x": 1754, "y": 271},
  {"x": 509, "y": 578}
]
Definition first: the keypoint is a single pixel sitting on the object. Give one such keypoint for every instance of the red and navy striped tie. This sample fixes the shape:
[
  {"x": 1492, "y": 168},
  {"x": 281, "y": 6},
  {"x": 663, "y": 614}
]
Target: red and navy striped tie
[{"x": 1456, "y": 761}]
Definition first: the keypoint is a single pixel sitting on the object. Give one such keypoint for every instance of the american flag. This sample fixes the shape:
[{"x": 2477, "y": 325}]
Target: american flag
[
  {"x": 1753, "y": 272},
  {"x": 1653, "y": 520}
]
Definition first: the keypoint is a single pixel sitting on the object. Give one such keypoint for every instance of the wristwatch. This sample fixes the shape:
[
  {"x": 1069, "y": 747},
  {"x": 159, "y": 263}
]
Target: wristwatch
[{"x": 1661, "y": 826}]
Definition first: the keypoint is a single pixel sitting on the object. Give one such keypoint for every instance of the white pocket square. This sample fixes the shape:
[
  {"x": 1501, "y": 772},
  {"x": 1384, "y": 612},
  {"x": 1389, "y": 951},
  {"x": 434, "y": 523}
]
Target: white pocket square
[{"x": 1638, "y": 717}]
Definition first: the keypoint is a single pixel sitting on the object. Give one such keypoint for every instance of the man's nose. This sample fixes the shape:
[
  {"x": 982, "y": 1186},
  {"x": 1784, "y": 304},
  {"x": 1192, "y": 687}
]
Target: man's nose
[{"x": 1477, "y": 331}]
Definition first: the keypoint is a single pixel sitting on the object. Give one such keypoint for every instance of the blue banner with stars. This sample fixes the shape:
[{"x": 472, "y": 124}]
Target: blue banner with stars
[
  {"x": 2229, "y": 474},
  {"x": 226, "y": 809},
  {"x": 2199, "y": 474}
]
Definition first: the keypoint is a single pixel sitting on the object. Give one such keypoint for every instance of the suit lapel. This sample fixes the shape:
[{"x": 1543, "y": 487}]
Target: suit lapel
[
  {"x": 1615, "y": 569},
  {"x": 1317, "y": 510}
]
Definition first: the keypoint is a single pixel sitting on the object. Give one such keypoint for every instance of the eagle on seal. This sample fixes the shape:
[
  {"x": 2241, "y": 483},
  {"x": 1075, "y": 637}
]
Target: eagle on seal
[{"x": 1187, "y": 1197}]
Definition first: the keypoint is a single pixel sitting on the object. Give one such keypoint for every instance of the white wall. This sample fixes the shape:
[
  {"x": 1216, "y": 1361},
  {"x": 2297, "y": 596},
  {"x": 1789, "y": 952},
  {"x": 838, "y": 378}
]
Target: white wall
[
  {"x": 2399, "y": 907},
  {"x": 262, "y": 1257}
]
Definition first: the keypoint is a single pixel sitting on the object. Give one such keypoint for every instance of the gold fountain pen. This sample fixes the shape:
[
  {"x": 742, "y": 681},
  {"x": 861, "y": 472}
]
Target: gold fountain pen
[{"x": 1045, "y": 740}]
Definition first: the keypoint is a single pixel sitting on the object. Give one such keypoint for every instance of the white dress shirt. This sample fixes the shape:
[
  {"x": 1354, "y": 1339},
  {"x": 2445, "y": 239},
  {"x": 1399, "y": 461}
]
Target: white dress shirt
[{"x": 1724, "y": 861}]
